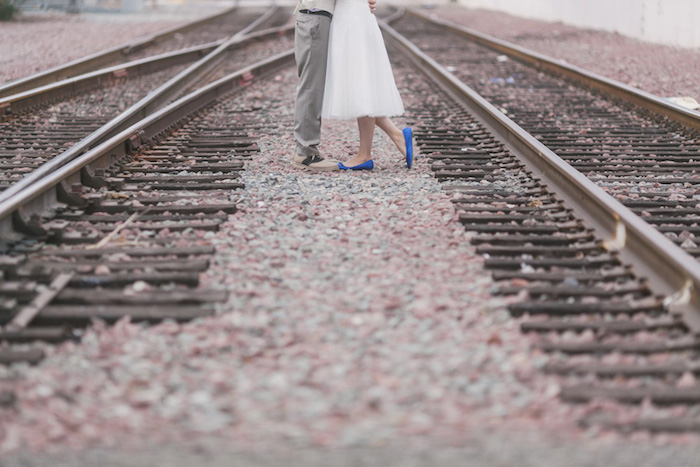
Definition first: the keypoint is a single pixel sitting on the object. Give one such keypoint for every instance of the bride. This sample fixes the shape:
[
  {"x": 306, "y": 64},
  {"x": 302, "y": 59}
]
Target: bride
[{"x": 360, "y": 83}]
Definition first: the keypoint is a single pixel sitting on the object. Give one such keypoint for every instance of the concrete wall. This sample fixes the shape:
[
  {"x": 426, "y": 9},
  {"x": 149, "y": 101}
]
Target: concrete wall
[{"x": 674, "y": 22}]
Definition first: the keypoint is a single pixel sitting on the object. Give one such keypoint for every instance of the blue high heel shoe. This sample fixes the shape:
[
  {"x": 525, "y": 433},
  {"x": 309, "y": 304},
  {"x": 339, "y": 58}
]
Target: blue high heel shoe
[
  {"x": 369, "y": 165},
  {"x": 408, "y": 136}
]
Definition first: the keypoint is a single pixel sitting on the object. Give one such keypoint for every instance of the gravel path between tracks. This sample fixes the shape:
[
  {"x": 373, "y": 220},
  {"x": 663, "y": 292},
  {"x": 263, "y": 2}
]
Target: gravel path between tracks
[
  {"x": 662, "y": 70},
  {"x": 39, "y": 41},
  {"x": 360, "y": 320}
]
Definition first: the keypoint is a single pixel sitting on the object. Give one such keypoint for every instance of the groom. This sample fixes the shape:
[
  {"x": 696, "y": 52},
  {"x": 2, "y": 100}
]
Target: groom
[{"x": 311, "y": 53}]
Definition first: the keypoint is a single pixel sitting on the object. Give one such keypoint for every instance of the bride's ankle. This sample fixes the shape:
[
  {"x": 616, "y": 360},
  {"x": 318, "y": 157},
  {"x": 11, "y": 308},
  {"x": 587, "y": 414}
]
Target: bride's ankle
[
  {"x": 362, "y": 157},
  {"x": 400, "y": 142}
]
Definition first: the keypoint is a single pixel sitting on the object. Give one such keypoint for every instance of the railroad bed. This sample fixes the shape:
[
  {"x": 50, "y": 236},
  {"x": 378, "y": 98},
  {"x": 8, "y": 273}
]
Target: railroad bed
[
  {"x": 594, "y": 308},
  {"x": 153, "y": 212},
  {"x": 610, "y": 336},
  {"x": 38, "y": 133},
  {"x": 165, "y": 201},
  {"x": 650, "y": 165}
]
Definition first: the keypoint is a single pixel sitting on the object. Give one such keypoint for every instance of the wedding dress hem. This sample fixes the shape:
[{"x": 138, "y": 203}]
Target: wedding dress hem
[{"x": 359, "y": 79}]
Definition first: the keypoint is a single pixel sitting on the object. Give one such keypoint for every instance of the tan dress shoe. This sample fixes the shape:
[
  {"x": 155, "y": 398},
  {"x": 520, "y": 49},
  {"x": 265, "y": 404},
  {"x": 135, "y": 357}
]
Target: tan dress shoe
[{"x": 316, "y": 163}]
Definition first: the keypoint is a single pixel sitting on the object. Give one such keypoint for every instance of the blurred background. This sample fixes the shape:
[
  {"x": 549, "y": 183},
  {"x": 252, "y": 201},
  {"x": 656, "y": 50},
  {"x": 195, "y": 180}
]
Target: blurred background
[{"x": 671, "y": 22}]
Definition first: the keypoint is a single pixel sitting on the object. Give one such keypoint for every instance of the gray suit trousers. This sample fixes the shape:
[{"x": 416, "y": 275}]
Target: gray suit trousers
[{"x": 311, "y": 54}]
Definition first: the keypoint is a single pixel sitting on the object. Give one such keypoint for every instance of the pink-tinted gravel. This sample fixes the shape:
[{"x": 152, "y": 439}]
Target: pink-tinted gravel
[
  {"x": 359, "y": 315},
  {"x": 36, "y": 42},
  {"x": 662, "y": 70}
]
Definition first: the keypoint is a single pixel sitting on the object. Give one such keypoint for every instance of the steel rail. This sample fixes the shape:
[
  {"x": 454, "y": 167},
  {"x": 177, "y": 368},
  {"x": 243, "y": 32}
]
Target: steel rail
[
  {"x": 608, "y": 86},
  {"x": 68, "y": 87},
  {"x": 670, "y": 270},
  {"x": 60, "y": 89},
  {"x": 102, "y": 58},
  {"x": 150, "y": 103},
  {"x": 393, "y": 16},
  {"x": 23, "y": 209}
]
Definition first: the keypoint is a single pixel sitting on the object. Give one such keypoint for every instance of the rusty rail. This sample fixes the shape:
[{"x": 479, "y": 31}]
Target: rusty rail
[
  {"x": 60, "y": 89},
  {"x": 671, "y": 272},
  {"x": 149, "y": 104},
  {"x": 611, "y": 87},
  {"x": 21, "y": 212},
  {"x": 100, "y": 59}
]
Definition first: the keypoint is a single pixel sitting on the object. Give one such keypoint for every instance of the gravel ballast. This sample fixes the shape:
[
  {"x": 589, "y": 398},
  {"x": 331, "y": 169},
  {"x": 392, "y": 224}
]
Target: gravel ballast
[
  {"x": 359, "y": 320},
  {"x": 358, "y": 314}
]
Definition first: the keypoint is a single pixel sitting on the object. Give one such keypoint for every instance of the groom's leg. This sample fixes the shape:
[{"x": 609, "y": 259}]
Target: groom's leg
[{"x": 311, "y": 53}]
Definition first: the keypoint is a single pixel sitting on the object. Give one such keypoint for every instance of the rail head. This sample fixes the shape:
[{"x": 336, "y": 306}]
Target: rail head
[
  {"x": 669, "y": 269},
  {"x": 658, "y": 105}
]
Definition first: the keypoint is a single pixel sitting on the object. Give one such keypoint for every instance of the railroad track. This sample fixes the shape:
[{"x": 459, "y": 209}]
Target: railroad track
[
  {"x": 107, "y": 101},
  {"x": 122, "y": 228},
  {"x": 618, "y": 316},
  {"x": 119, "y": 227},
  {"x": 646, "y": 160},
  {"x": 609, "y": 297},
  {"x": 212, "y": 29},
  {"x": 136, "y": 243}
]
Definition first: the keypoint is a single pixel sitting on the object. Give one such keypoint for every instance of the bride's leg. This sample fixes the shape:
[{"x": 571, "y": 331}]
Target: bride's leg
[
  {"x": 394, "y": 133},
  {"x": 366, "y": 127}
]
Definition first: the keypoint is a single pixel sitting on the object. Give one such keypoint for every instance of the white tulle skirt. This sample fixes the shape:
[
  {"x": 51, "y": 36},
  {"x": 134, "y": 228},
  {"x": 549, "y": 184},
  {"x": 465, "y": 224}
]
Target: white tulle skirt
[{"x": 359, "y": 80}]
